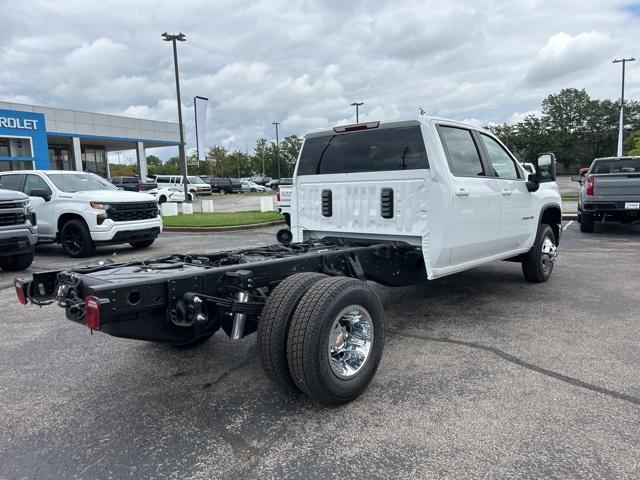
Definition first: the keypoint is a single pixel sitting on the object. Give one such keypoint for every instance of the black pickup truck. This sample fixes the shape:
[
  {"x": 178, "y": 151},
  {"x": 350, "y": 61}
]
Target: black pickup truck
[{"x": 222, "y": 185}]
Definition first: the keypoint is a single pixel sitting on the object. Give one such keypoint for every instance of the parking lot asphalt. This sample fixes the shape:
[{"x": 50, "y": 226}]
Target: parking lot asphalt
[{"x": 483, "y": 376}]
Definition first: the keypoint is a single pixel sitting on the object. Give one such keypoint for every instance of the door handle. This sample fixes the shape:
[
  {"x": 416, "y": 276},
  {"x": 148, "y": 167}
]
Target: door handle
[
  {"x": 506, "y": 192},
  {"x": 462, "y": 192}
]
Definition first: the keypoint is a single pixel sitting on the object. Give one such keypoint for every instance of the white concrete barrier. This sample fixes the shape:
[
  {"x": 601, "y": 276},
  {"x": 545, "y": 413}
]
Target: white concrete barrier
[
  {"x": 266, "y": 204},
  {"x": 207, "y": 206},
  {"x": 169, "y": 209},
  {"x": 187, "y": 208}
]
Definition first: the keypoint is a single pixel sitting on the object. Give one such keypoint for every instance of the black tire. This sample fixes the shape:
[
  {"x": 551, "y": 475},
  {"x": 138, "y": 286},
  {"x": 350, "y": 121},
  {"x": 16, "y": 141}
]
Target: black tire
[
  {"x": 538, "y": 265},
  {"x": 287, "y": 219},
  {"x": 142, "y": 244},
  {"x": 273, "y": 327},
  {"x": 162, "y": 199},
  {"x": 194, "y": 343},
  {"x": 190, "y": 197},
  {"x": 587, "y": 223},
  {"x": 254, "y": 190},
  {"x": 223, "y": 191},
  {"x": 76, "y": 239},
  {"x": 15, "y": 263},
  {"x": 308, "y": 341}
]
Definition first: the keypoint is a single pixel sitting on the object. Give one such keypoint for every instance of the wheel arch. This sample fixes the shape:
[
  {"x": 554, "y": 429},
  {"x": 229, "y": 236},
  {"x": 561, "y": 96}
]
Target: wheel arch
[
  {"x": 65, "y": 217},
  {"x": 551, "y": 215}
]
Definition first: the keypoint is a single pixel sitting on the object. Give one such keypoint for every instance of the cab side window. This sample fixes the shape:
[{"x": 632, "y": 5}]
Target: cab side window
[
  {"x": 501, "y": 162},
  {"x": 462, "y": 152},
  {"x": 34, "y": 182}
]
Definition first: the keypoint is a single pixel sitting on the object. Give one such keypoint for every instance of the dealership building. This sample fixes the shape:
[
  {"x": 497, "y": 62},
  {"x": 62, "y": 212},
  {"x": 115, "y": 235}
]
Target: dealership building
[{"x": 45, "y": 138}]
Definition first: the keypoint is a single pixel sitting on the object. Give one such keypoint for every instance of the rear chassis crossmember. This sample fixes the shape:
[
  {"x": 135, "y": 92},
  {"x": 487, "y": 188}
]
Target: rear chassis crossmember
[{"x": 179, "y": 298}]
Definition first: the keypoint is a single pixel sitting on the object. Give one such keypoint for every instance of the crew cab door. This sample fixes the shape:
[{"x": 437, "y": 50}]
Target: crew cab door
[
  {"x": 476, "y": 205},
  {"x": 517, "y": 219}
]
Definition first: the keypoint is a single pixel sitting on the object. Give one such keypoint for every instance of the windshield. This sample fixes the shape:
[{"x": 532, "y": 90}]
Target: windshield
[
  {"x": 399, "y": 148},
  {"x": 617, "y": 165},
  {"x": 79, "y": 182},
  {"x": 195, "y": 180}
]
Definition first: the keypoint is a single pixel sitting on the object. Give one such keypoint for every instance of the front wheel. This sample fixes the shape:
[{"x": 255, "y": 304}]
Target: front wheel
[
  {"x": 223, "y": 191},
  {"x": 76, "y": 239},
  {"x": 335, "y": 340},
  {"x": 142, "y": 244},
  {"x": 190, "y": 197},
  {"x": 16, "y": 263},
  {"x": 539, "y": 261},
  {"x": 162, "y": 199}
]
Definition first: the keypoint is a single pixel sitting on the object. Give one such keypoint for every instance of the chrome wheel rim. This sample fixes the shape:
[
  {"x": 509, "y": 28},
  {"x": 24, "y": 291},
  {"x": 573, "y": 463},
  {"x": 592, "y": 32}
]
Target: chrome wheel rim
[
  {"x": 549, "y": 253},
  {"x": 350, "y": 341}
]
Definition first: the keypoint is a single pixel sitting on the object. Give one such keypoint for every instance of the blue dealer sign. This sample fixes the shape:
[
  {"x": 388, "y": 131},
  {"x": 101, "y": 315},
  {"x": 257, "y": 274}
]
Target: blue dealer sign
[{"x": 26, "y": 125}]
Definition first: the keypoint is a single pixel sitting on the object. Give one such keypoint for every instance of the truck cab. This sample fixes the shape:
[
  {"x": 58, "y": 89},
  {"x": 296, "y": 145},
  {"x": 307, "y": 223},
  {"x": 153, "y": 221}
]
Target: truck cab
[{"x": 454, "y": 190}]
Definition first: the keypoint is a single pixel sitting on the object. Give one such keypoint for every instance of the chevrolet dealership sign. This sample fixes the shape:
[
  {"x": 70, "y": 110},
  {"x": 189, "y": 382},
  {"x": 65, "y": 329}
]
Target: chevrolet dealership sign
[{"x": 21, "y": 123}]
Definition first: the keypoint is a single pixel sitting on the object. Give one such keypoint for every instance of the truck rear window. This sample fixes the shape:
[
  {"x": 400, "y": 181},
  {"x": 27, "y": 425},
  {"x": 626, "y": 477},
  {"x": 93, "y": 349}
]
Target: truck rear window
[
  {"x": 622, "y": 165},
  {"x": 400, "y": 148}
]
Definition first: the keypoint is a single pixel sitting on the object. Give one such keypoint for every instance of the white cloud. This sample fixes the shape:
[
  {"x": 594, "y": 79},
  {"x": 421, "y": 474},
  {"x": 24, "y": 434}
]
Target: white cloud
[
  {"x": 518, "y": 116},
  {"x": 564, "y": 55}
]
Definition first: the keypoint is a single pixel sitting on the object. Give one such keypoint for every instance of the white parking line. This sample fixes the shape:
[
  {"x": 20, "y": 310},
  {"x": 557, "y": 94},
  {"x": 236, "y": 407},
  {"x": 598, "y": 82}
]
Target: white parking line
[{"x": 567, "y": 225}]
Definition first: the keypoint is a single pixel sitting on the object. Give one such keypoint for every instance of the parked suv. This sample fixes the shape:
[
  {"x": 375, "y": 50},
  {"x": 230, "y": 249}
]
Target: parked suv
[
  {"x": 222, "y": 185},
  {"x": 133, "y": 184},
  {"x": 18, "y": 230},
  {"x": 197, "y": 186},
  {"x": 82, "y": 210}
]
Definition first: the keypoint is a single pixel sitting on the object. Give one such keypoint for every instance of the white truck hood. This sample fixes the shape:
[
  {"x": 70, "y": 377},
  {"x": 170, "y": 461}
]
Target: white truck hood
[{"x": 110, "y": 196}]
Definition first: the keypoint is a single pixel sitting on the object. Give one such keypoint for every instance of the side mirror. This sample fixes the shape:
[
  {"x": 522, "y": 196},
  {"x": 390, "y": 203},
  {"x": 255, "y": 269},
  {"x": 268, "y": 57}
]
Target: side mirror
[
  {"x": 42, "y": 193},
  {"x": 545, "y": 167},
  {"x": 576, "y": 178}
]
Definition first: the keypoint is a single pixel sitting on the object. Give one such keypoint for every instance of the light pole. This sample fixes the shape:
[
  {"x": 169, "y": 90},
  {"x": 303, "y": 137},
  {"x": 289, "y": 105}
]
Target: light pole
[
  {"x": 277, "y": 148},
  {"x": 180, "y": 37},
  {"x": 357, "y": 105},
  {"x": 623, "y": 61}
]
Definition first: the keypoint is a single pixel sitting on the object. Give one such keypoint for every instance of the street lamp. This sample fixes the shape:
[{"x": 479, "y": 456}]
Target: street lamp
[
  {"x": 277, "y": 148},
  {"x": 623, "y": 61},
  {"x": 357, "y": 105},
  {"x": 180, "y": 37}
]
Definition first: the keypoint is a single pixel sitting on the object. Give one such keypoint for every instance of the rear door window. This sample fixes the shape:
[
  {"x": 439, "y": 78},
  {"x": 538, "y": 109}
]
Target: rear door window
[
  {"x": 462, "y": 152},
  {"x": 399, "y": 148}
]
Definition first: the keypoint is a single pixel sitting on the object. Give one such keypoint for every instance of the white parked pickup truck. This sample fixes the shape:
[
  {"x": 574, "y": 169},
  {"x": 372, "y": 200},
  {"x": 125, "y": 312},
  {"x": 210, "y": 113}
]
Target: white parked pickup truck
[
  {"x": 396, "y": 203},
  {"x": 452, "y": 189},
  {"x": 82, "y": 210}
]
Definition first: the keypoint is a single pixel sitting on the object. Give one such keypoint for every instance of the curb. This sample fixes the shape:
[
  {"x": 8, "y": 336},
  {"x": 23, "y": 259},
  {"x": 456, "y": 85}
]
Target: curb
[{"x": 251, "y": 226}]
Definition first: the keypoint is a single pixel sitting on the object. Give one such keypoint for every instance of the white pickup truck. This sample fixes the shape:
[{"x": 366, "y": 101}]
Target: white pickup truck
[
  {"x": 453, "y": 190},
  {"x": 82, "y": 210},
  {"x": 396, "y": 203}
]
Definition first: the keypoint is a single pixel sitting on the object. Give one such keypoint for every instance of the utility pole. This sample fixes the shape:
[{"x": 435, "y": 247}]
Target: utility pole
[
  {"x": 180, "y": 37},
  {"x": 277, "y": 148},
  {"x": 623, "y": 61},
  {"x": 357, "y": 105}
]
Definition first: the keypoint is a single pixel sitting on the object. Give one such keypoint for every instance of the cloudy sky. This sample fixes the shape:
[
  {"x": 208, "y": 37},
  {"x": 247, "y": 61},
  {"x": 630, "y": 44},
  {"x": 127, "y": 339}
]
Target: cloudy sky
[{"x": 303, "y": 62}]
